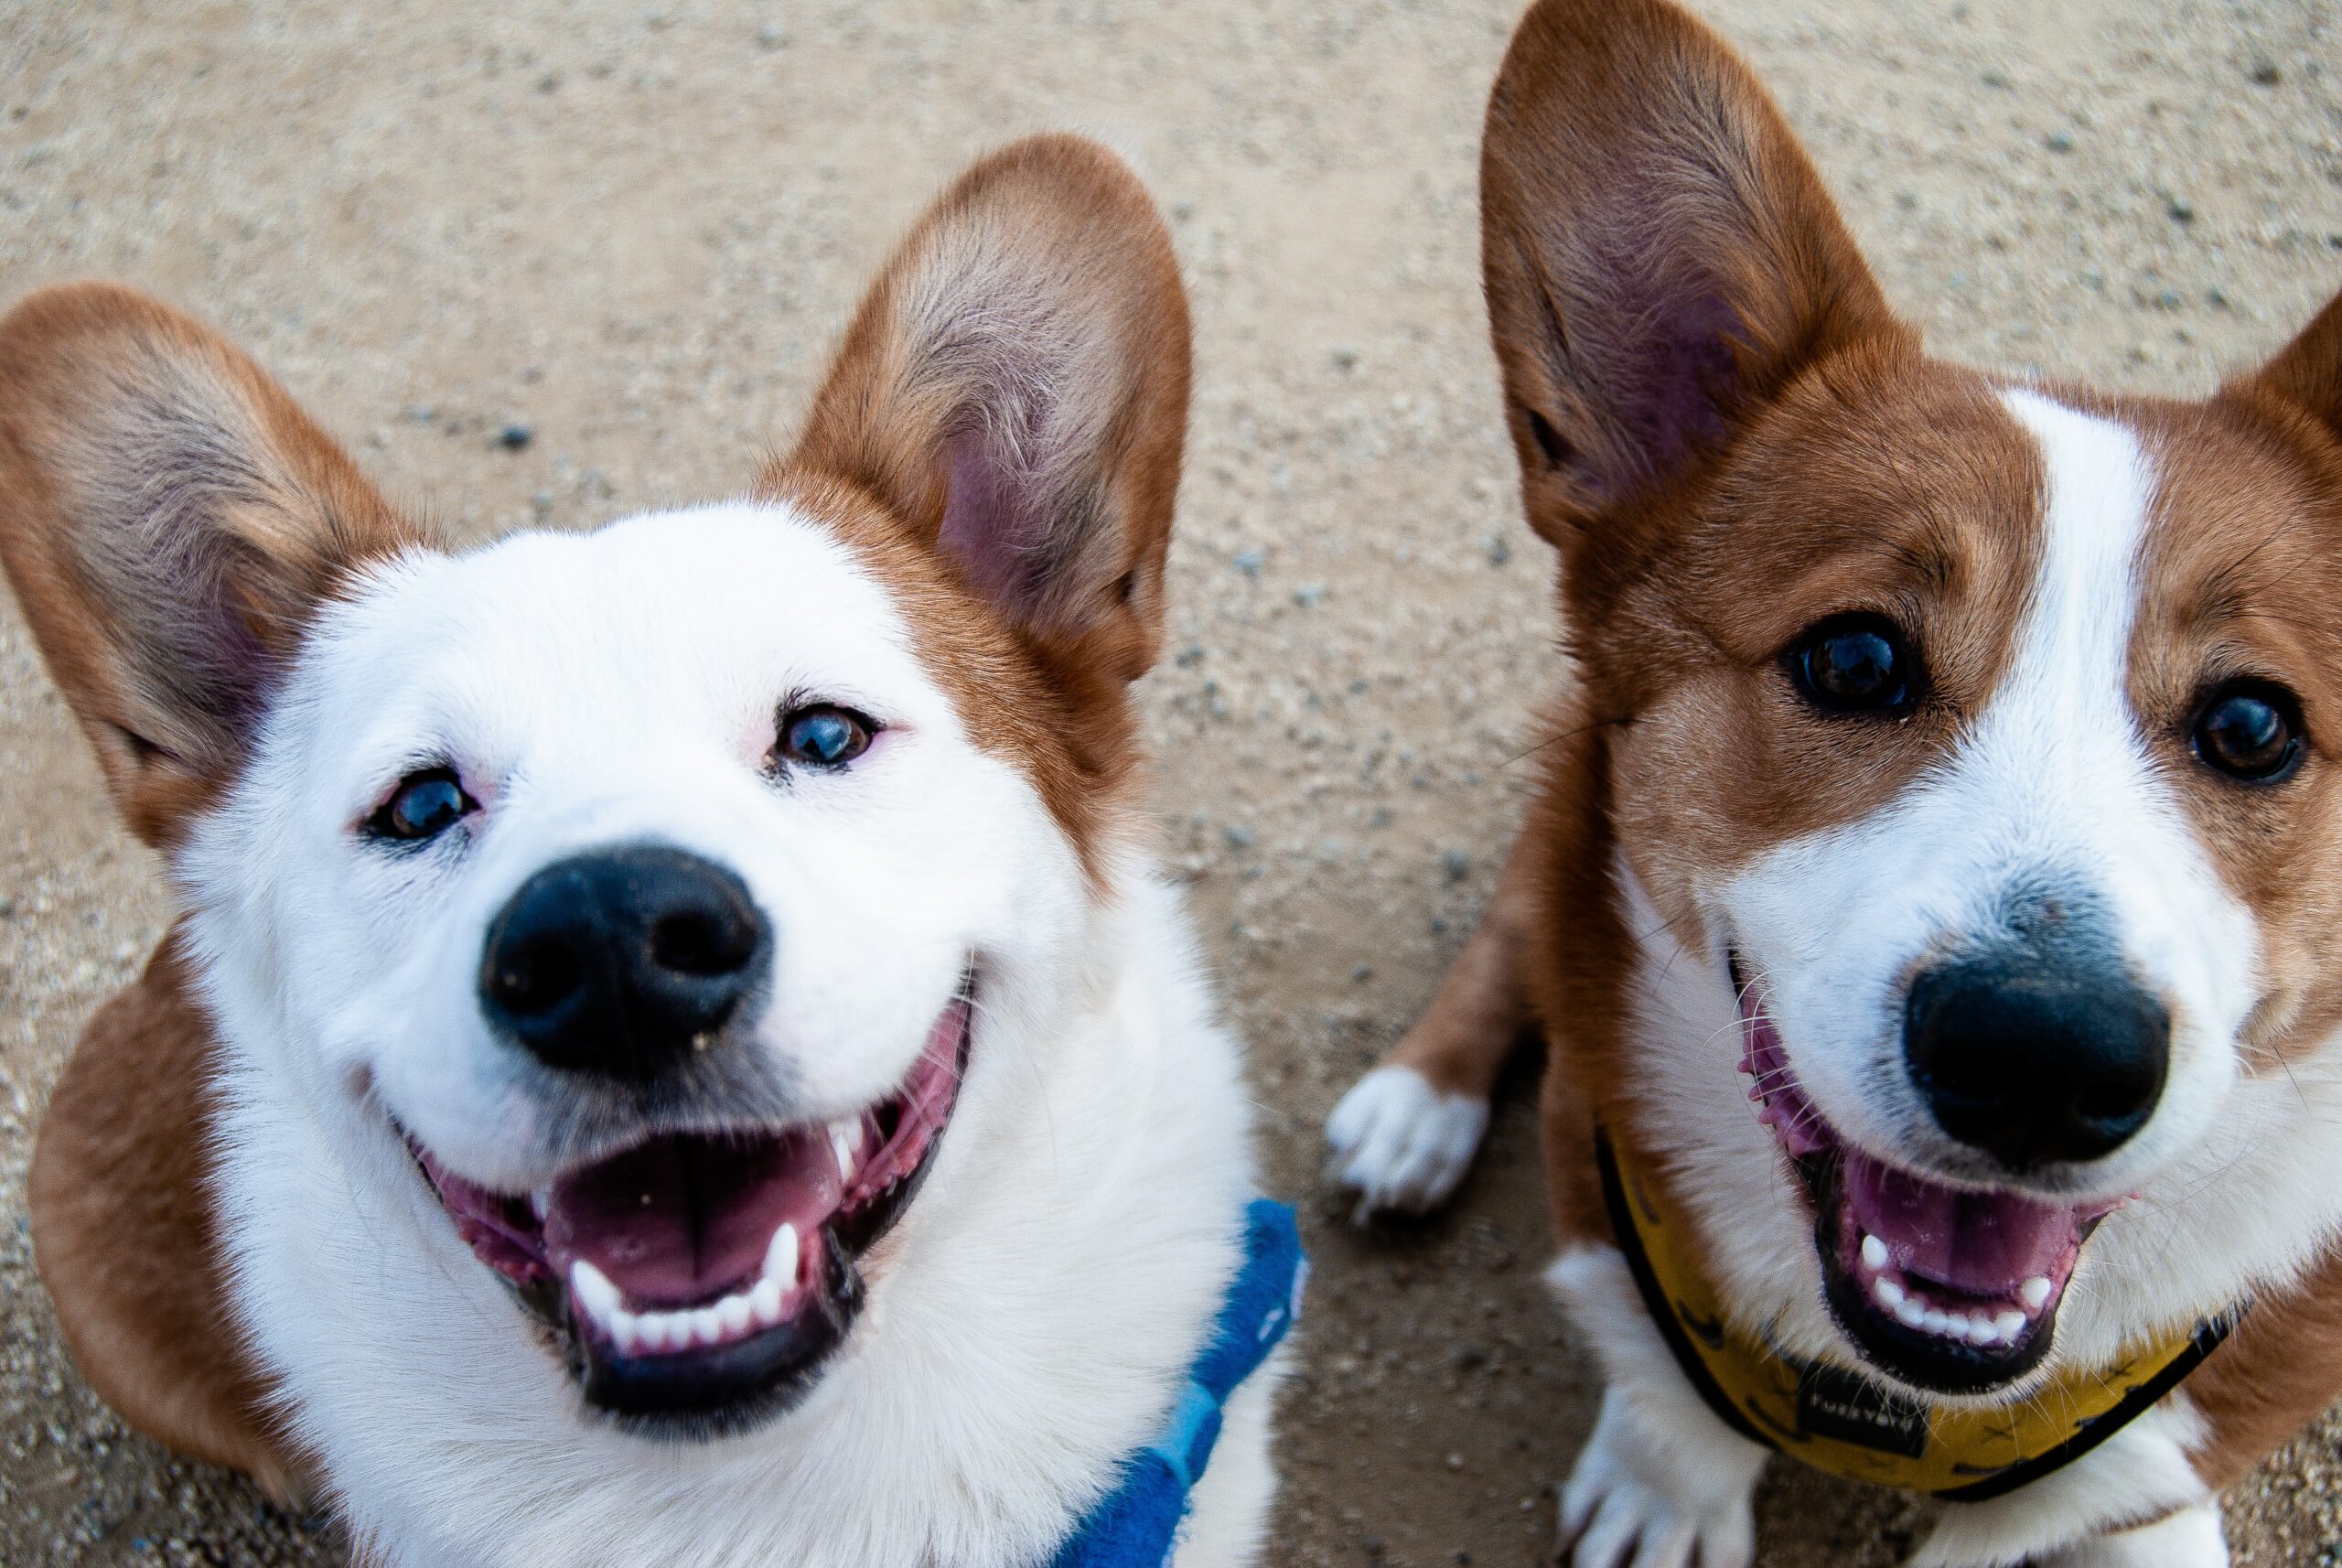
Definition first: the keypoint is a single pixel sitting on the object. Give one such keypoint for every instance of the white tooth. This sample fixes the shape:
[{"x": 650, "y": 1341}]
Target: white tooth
[
  {"x": 541, "y": 1202},
  {"x": 734, "y": 1313},
  {"x": 781, "y": 1258},
  {"x": 1889, "y": 1293},
  {"x": 1936, "y": 1322},
  {"x": 845, "y": 1137},
  {"x": 626, "y": 1332},
  {"x": 1979, "y": 1329},
  {"x": 707, "y": 1325},
  {"x": 593, "y": 1292},
  {"x": 2035, "y": 1293},
  {"x": 765, "y": 1301},
  {"x": 652, "y": 1328},
  {"x": 1909, "y": 1312},
  {"x": 2009, "y": 1324},
  {"x": 1874, "y": 1253}
]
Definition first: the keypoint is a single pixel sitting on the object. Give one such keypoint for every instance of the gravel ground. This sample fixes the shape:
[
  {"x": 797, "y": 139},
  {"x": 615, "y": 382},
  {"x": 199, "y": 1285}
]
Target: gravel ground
[{"x": 635, "y": 230}]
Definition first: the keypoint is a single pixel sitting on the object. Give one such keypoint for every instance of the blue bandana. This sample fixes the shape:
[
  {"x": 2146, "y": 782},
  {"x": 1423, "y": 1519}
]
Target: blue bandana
[{"x": 1137, "y": 1525}]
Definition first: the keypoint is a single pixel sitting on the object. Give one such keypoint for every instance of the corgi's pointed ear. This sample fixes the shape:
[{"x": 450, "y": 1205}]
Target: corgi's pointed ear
[
  {"x": 1015, "y": 388},
  {"x": 1660, "y": 256},
  {"x": 169, "y": 520},
  {"x": 2307, "y": 371}
]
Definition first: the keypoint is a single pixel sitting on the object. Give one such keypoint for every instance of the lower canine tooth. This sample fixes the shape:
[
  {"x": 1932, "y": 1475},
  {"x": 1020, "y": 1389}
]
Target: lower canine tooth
[
  {"x": 781, "y": 1258},
  {"x": 765, "y": 1301},
  {"x": 2035, "y": 1293},
  {"x": 593, "y": 1292},
  {"x": 1874, "y": 1253}
]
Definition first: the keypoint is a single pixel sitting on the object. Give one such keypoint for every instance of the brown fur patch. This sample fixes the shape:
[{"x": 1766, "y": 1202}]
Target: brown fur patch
[
  {"x": 2241, "y": 570},
  {"x": 124, "y": 1237}
]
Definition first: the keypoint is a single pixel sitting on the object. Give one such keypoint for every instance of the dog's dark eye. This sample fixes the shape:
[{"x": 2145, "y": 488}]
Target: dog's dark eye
[
  {"x": 822, "y": 735},
  {"x": 2251, "y": 730},
  {"x": 1856, "y": 664},
  {"x": 423, "y": 806}
]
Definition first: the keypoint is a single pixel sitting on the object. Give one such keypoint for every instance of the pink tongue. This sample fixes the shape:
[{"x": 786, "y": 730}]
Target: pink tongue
[
  {"x": 1978, "y": 1243},
  {"x": 682, "y": 1220}
]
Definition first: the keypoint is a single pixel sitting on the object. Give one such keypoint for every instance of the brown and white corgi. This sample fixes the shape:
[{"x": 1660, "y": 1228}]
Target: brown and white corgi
[
  {"x": 675, "y": 1051},
  {"x": 1933, "y": 907}
]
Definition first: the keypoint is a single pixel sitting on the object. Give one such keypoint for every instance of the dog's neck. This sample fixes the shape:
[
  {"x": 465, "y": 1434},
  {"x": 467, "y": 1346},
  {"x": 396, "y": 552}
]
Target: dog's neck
[{"x": 1084, "y": 1213}]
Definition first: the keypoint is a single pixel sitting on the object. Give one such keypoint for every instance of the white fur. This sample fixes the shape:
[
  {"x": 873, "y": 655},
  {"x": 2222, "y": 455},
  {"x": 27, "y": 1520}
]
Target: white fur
[
  {"x": 1031, "y": 1313},
  {"x": 1663, "y": 1482},
  {"x": 2237, "y": 1182},
  {"x": 2188, "y": 1539},
  {"x": 2140, "y": 1472},
  {"x": 1400, "y": 1144}
]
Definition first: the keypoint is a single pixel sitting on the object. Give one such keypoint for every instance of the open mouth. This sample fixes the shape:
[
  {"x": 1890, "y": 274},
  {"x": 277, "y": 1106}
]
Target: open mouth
[
  {"x": 1953, "y": 1289},
  {"x": 697, "y": 1282}
]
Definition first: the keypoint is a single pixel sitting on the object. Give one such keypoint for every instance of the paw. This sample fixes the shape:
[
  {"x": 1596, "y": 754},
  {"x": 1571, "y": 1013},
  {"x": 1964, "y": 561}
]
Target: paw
[
  {"x": 2188, "y": 1539},
  {"x": 1400, "y": 1144},
  {"x": 1632, "y": 1502}
]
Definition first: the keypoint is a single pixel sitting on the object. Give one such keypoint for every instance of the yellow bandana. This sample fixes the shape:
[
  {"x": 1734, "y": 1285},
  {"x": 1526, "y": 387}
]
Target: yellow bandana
[{"x": 1845, "y": 1424}]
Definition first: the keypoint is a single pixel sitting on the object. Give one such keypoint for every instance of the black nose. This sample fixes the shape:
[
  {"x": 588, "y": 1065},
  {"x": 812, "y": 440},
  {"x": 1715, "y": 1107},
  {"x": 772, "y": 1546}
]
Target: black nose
[
  {"x": 621, "y": 961},
  {"x": 2036, "y": 1060}
]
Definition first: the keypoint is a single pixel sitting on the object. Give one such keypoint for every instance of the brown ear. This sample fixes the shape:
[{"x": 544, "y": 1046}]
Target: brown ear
[
  {"x": 1660, "y": 256},
  {"x": 2307, "y": 371},
  {"x": 169, "y": 520},
  {"x": 1014, "y": 387}
]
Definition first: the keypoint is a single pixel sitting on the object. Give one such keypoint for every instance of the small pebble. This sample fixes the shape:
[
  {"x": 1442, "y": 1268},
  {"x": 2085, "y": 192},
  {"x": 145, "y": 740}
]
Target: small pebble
[
  {"x": 513, "y": 437},
  {"x": 1239, "y": 836},
  {"x": 1249, "y": 561},
  {"x": 1308, "y": 594},
  {"x": 2058, "y": 142},
  {"x": 1456, "y": 863}
]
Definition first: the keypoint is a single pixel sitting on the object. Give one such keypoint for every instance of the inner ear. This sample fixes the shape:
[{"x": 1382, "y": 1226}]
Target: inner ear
[
  {"x": 1015, "y": 389},
  {"x": 1659, "y": 257},
  {"x": 169, "y": 520}
]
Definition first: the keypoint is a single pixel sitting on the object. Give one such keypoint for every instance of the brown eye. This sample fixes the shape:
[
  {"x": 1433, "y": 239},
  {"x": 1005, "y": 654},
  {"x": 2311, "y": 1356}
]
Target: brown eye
[
  {"x": 1855, "y": 664},
  {"x": 423, "y": 806},
  {"x": 2251, "y": 730},
  {"x": 822, "y": 735}
]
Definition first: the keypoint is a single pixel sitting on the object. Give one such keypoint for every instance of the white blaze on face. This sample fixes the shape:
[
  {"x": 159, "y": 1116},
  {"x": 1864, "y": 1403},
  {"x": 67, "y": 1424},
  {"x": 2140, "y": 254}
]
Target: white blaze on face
[{"x": 2052, "y": 794}]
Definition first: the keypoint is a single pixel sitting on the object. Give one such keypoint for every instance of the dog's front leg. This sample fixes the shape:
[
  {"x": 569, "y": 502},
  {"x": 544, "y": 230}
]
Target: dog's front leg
[
  {"x": 2082, "y": 1515},
  {"x": 1663, "y": 1482}
]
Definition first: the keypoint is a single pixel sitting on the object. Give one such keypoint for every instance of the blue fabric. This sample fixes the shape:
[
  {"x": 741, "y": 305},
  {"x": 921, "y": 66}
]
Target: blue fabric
[{"x": 1137, "y": 1525}]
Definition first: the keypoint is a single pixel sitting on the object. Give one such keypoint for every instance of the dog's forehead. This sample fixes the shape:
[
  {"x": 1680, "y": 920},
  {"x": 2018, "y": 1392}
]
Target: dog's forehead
[{"x": 662, "y": 620}]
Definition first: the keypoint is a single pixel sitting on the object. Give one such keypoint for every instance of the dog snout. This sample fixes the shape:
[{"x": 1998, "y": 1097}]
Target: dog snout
[
  {"x": 2036, "y": 1062},
  {"x": 622, "y": 962}
]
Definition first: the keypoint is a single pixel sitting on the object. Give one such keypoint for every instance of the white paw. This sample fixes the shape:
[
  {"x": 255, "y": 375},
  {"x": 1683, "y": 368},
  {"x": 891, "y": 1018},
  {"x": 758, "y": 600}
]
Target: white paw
[
  {"x": 2188, "y": 1539},
  {"x": 1400, "y": 1144},
  {"x": 1632, "y": 1502}
]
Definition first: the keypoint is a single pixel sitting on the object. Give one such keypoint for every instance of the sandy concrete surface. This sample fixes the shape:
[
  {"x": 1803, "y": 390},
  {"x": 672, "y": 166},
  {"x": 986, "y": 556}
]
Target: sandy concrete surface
[{"x": 636, "y": 229}]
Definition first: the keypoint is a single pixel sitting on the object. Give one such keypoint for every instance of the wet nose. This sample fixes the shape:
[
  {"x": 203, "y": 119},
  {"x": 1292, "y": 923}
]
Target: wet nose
[
  {"x": 622, "y": 962},
  {"x": 2037, "y": 1061}
]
